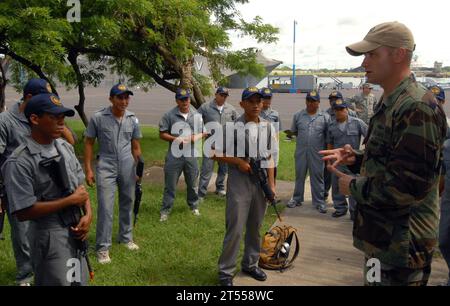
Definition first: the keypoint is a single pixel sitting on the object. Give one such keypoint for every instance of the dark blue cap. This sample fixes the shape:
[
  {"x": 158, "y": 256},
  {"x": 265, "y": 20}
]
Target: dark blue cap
[
  {"x": 250, "y": 92},
  {"x": 37, "y": 86},
  {"x": 313, "y": 95},
  {"x": 182, "y": 94},
  {"x": 46, "y": 103},
  {"x": 119, "y": 89},
  {"x": 339, "y": 103},
  {"x": 222, "y": 91},
  {"x": 266, "y": 92},
  {"x": 335, "y": 95},
  {"x": 438, "y": 92}
]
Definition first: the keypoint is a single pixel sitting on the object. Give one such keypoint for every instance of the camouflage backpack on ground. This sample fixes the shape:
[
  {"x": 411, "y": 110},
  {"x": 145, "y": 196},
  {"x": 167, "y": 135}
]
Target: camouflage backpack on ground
[{"x": 276, "y": 247}]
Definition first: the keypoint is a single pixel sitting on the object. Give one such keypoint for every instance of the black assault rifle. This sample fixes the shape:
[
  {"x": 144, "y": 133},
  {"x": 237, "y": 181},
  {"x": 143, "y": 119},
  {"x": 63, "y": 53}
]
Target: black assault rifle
[
  {"x": 261, "y": 174},
  {"x": 71, "y": 215}
]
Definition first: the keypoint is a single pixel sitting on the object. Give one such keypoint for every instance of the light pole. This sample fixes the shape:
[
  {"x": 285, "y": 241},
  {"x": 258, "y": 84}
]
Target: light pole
[{"x": 293, "y": 89}]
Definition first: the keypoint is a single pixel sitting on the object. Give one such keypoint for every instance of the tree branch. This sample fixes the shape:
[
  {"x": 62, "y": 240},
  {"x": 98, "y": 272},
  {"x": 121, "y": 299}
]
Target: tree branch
[
  {"x": 138, "y": 63},
  {"x": 36, "y": 68},
  {"x": 73, "y": 54}
]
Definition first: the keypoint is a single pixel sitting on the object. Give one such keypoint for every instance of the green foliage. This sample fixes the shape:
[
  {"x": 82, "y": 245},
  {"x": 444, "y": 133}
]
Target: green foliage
[
  {"x": 245, "y": 62},
  {"x": 145, "y": 41}
]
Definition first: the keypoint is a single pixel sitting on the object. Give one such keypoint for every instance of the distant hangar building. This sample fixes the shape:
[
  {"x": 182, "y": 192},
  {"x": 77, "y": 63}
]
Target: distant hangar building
[{"x": 235, "y": 80}]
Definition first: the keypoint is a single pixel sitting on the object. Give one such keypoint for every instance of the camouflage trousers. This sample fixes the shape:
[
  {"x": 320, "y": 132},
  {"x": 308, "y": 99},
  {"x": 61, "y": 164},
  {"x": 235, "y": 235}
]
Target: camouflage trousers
[{"x": 396, "y": 276}]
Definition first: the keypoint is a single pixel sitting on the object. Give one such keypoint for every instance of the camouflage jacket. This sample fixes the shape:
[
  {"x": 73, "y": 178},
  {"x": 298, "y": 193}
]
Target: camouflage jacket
[
  {"x": 397, "y": 192},
  {"x": 364, "y": 106}
]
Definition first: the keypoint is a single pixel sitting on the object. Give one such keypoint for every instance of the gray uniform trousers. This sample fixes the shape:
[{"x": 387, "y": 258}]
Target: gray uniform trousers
[
  {"x": 172, "y": 171},
  {"x": 307, "y": 161},
  {"x": 21, "y": 249},
  {"x": 340, "y": 200},
  {"x": 206, "y": 174},
  {"x": 112, "y": 175},
  {"x": 246, "y": 207},
  {"x": 52, "y": 248}
]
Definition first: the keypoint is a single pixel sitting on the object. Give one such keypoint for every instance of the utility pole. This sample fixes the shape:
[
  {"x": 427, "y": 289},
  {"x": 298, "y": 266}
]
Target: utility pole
[{"x": 293, "y": 89}]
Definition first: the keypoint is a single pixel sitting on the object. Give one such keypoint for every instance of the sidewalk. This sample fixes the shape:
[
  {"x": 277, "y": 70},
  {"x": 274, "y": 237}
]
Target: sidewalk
[{"x": 327, "y": 256}]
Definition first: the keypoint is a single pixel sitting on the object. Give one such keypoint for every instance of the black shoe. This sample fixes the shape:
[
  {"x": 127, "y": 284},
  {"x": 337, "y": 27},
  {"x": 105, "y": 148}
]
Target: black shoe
[
  {"x": 322, "y": 210},
  {"x": 338, "y": 214},
  {"x": 256, "y": 273},
  {"x": 226, "y": 282}
]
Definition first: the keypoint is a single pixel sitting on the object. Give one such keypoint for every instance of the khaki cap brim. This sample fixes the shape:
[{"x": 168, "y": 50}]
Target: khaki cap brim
[{"x": 361, "y": 47}]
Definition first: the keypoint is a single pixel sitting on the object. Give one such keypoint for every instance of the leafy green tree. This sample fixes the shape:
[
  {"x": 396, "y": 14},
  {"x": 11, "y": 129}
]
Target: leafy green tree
[{"x": 145, "y": 41}]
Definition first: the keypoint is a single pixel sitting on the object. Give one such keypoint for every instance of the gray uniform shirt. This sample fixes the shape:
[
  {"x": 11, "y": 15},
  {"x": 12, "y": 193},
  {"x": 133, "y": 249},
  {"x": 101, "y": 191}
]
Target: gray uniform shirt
[
  {"x": 351, "y": 134},
  {"x": 27, "y": 182},
  {"x": 273, "y": 116},
  {"x": 211, "y": 113},
  {"x": 114, "y": 137},
  {"x": 311, "y": 130},
  {"x": 330, "y": 112},
  {"x": 240, "y": 145},
  {"x": 174, "y": 123},
  {"x": 13, "y": 129}
]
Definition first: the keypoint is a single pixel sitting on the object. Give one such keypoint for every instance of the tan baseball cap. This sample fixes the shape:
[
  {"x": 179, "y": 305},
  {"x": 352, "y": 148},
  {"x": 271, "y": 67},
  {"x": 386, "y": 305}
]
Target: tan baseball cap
[{"x": 389, "y": 34}]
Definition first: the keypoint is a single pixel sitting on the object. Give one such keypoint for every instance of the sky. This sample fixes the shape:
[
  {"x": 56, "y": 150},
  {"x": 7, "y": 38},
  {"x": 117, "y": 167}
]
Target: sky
[{"x": 325, "y": 27}]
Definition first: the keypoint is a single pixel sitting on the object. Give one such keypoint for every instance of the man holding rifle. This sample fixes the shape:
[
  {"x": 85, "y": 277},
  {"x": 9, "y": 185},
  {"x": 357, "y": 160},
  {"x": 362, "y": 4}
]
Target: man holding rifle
[
  {"x": 34, "y": 194},
  {"x": 246, "y": 201}
]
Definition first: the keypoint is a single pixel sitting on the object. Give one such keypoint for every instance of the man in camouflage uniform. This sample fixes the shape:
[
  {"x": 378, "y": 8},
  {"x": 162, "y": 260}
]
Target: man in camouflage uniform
[
  {"x": 397, "y": 192},
  {"x": 364, "y": 103}
]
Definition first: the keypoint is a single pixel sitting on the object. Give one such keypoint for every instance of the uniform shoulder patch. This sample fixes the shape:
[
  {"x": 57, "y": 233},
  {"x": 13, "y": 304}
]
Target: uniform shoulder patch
[
  {"x": 101, "y": 112},
  {"x": 430, "y": 99},
  {"x": 18, "y": 151}
]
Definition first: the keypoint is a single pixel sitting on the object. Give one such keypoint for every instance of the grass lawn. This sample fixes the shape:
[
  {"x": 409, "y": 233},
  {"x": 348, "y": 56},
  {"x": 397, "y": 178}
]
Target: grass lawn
[{"x": 182, "y": 251}]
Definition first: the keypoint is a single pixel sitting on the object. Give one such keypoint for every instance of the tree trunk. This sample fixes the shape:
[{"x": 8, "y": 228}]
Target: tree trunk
[
  {"x": 198, "y": 95},
  {"x": 187, "y": 81},
  {"x": 37, "y": 69},
  {"x": 73, "y": 54}
]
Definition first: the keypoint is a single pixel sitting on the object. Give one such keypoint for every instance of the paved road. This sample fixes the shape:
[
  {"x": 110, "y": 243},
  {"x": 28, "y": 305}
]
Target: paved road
[{"x": 150, "y": 106}]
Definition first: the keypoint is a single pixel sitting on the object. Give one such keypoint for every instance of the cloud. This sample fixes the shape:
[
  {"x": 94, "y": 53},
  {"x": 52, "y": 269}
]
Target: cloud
[
  {"x": 347, "y": 21},
  {"x": 339, "y": 25}
]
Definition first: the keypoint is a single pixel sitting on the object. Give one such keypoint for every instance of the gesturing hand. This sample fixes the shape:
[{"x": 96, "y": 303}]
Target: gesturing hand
[
  {"x": 344, "y": 179},
  {"x": 341, "y": 156}
]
